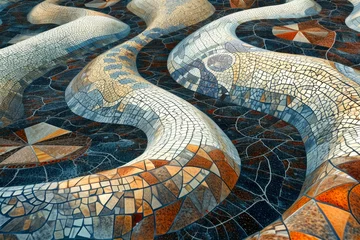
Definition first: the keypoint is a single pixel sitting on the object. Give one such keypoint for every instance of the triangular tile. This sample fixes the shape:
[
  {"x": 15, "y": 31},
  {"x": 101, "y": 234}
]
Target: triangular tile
[
  {"x": 24, "y": 156},
  {"x": 21, "y": 134},
  {"x": 337, "y": 217},
  {"x": 301, "y": 38},
  {"x": 288, "y": 36},
  {"x": 55, "y": 134},
  {"x": 4, "y": 150},
  {"x": 42, "y": 131},
  {"x": 294, "y": 26},
  {"x": 282, "y": 30},
  {"x": 58, "y": 151},
  {"x": 42, "y": 156}
]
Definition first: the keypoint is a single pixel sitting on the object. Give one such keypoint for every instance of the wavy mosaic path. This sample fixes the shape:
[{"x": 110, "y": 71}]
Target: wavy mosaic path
[
  {"x": 353, "y": 20},
  {"x": 188, "y": 167},
  {"x": 312, "y": 94},
  {"x": 324, "y": 35},
  {"x": 22, "y": 62}
]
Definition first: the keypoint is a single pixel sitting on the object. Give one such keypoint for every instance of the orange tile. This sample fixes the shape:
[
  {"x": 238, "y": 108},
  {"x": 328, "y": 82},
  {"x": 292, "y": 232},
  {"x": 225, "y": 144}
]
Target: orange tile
[
  {"x": 298, "y": 204},
  {"x": 128, "y": 170},
  {"x": 301, "y": 236},
  {"x": 288, "y": 36},
  {"x": 43, "y": 157},
  {"x": 159, "y": 163},
  {"x": 192, "y": 148},
  {"x": 337, "y": 217},
  {"x": 149, "y": 178},
  {"x": 193, "y": 171},
  {"x": 147, "y": 210},
  {"x": 57, "y": 133},
  {"x": 123, "y": 225},
  {"x": 140, "y": 165},
  {"x": 337, "y": 196},
  {"x": 173, "y": 170},
  {"x": 203, "y": 154}
]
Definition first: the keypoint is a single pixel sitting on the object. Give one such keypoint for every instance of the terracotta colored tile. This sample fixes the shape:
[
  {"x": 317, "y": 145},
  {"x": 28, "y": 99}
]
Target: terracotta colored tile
[
  {"x": 244, "y": 4},
  {"x": 165, "y": 217},
  {"x": 288, "y": 36},
  {"x": 16, "y": 212},
  {"x": 149, "y": 178},
  {"x": 159, "y": 163},
  {"x": 227, "y": 173},
  {"x": 123, "y": 225},
  {"x": 128, "y": 170},
  {"x": 301, "y": 236},
  {"x": 310, "y": 220},
  {"x": 21, "y": 134},
  {"x": 298, "y": 204},
  {"x": 147, "y": 210},
  {"x": 144, "y": 230},
  {"x": 354, "y": 200},
  {"x": 216, "y": 155},
  {"x": 198, "y": 161},
  {"x": 337, "y": 196},
  {"x": 337, "y": 217}
]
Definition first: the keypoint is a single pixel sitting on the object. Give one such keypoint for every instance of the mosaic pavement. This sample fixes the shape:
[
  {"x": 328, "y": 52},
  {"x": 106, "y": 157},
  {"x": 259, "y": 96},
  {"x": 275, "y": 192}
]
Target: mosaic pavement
[{"x": 98, "y": 140}]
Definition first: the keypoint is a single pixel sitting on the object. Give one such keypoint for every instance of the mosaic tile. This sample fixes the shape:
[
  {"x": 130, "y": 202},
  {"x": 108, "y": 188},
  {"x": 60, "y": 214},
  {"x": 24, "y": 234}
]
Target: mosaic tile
[{"x": 175, "y": 174}]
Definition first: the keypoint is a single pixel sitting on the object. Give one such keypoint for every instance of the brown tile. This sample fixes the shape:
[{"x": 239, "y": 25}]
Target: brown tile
[
  {"x": 354, "y": 200},
  {"x": 144, "y": 230},
  {"x": 165, "y": 217},
  {"x": 227, "y": 173},
  {"x": 149, "y": 178}
]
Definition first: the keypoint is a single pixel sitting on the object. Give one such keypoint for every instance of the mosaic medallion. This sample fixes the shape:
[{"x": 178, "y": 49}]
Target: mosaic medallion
[
  {"x": 40, "y": 144},
  {"x": 307, "y": 32}
]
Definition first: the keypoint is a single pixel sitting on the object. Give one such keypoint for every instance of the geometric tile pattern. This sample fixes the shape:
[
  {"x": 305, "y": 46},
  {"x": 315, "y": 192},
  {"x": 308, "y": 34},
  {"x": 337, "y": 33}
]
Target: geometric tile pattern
[
  {"x": 310, "y": 93},
  {"x": 190, "y": 166},
  {"x": 66, "y": 39},
  {"x": 307, "y": 32},
  {"x": 344, "y": 48},
  {"x": 40, "y": 144}
]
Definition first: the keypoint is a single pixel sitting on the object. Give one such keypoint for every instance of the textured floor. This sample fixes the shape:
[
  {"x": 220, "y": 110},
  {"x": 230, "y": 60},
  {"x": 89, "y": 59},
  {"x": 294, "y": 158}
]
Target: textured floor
[{"x": 271, "y": 151}]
